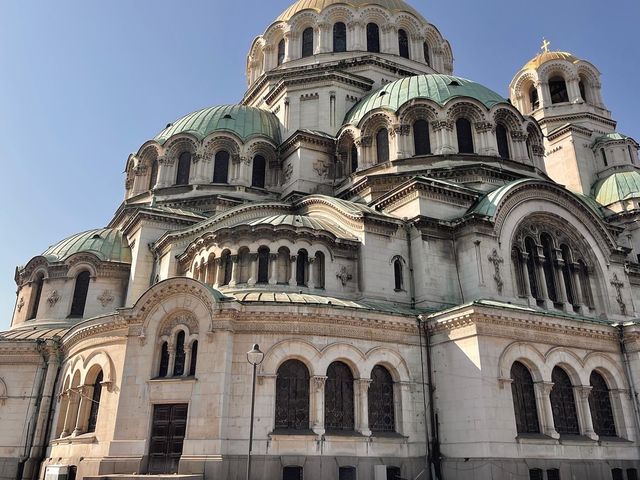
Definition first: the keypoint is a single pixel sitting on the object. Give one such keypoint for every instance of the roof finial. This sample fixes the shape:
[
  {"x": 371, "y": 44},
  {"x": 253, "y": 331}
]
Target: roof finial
[{"x": 545, "y": 45}]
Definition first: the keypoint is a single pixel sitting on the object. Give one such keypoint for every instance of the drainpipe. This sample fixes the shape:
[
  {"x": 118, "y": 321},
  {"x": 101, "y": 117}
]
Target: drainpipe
[
  {"x": 629, "y": 374},
  {"x": 412, "y": 284},
  {"x": 424, "y": 402}
]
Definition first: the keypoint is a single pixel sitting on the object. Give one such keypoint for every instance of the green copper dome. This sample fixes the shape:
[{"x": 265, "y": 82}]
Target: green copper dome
[
  {"x": 439, "y": 88},
  {"x": 108, "y": 244},
  {"x": 617, "y": 187},
  {"x": 245, "y": 122},
  {"x": 610, "y": 137}
]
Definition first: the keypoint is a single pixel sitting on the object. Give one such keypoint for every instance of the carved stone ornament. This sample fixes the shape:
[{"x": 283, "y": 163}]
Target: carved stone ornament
[
  {"x": 618, "y": 285},
  {"x": 344, "y": 275},
  {"x": 53, "y": 298},
  {"x": 319, "y": 381},
  {"x": 20, "y": 304},
  {"x": 287, "y": 172},
  {"x": 497, "y": 260},
  {"x": 106, "y": 298},
  {"x": 321, "y": 168}
]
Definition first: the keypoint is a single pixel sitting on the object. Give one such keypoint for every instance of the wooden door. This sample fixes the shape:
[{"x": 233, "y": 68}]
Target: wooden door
[{"x": 167, "y": 436}]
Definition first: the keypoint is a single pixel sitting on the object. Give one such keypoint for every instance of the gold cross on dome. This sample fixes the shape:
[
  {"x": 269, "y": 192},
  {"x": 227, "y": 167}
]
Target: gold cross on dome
[{"x": 545, "y": 45}]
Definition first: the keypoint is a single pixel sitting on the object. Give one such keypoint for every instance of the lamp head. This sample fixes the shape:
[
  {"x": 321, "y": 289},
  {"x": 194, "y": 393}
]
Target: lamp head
[{"x": 255, "y": 356}]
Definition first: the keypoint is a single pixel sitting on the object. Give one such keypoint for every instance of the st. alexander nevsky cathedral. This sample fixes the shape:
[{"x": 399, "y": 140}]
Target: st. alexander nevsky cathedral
[{"x": 434, "y": 282}]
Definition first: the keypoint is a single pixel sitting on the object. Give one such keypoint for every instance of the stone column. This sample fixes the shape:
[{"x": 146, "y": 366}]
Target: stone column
[
  {"x": 354, "y": 37},
  {"x": 543, "y": 389},
  {"x": 558, "y": 266},
  {"x": 317, "y": 404},
  {"x": 235, "y": 272},
  {"x": 253, "y": 276},
  {"x": 525, "y": 272},
  {"x": 84, "y": 403},
  {"x": 322, "y": 38},
  {"x": 187, "y": 360},
  {"x": 361, "y": 387},
  {"x": 293, "y": 265},
  {"x": 312, "y": 273},
  {"x": 165, "y": 172},
  {"x": 171, "y": 346},
  {"x": 584, "y": 411},
  {"x": 573, "y": 90},
  {"x": 219, "y": 276},
  {"x": 548, "y": 304},
  {"x": 582, "y": 308},
  {"x": 288, "y": 45},
  {"x": 415, "y": 48},
  {"x": 66, "y": 426},
  {"x": 273, "y": 268},
  {"x": 544, "y": 96}
]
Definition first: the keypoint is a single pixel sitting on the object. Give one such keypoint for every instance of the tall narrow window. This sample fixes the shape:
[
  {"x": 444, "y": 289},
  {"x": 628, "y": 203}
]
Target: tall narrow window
[
  {"x": 80, "y": 294},
  {"x": 194, "y": 358},
  {"x": 292, "y": 396},
  {"x": 600, "y": 406},
  {"x": 263, "y": 265},
  {"x": 179, "y": 361},
  {"x": 302, "y": 263},
  {"x": 347, "y": 473},
  {"x": 259, "y": 171},
  {"x": 549, "y": 267},
  {"x": 338, "y": 398},
  {"x": 153, "y": 177},
  {"x": 393, "y": 473},
  {"x": 221, "y": 167},
  {"x": 563, "y": 403},
  {"x": 227, "y": 261},
  {"x": 373, "y": 38},
  {"x": 354, "y": 158},
  {"x": 502, "y": 137},
  {"x": 567, "y": 274},
  {"x": 632, "y": 474},
  {"x": 292, "y": 473},
  {"x": 532, "y": 255},
  {"x": 553, "y": 474},
  {"x": 427, "y": 55},
  {"x": 397, "y": 274},
  {"x": 164, "y": 360},
  {"x": 533, "y": 98},
  {"x": 281, "y": 51},
  {"x": 465, "y": 137},
  {"x": 36, "y": 295},
  {"x": 184, "y": 168},
  {"x": 617, "y": 474},
  {"x": 421, "y": 140},
  {"x": 524, "y": 399},
  {"x": 382, "y": 145},
  {"x": 339, "y": 37},
  {"x": 558, "y": 90},
  {"x": 403, "y": 43},
  {"x": 381, "y": 407},
  {"x": 536, "y": 474},
  {"x": 307, "y": 42},
  {"x": 516, "y": 258},
  {"x": 95, "y": 403},
  {"x": 583, "y": 92},
  {"x": 604, "y": 157},
  {"x": 319, "y": 270}
]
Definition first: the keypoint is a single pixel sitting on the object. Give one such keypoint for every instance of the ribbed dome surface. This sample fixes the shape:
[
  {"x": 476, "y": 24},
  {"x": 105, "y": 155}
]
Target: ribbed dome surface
[
  {"x": 617, "y": 187},
  {"x": 245, "y": 122},
  {"x": 108, "y": 244},
  {"x": 545, "y": 57},
  {"x": 302, "y": 221},
  {"x": 319, "y": 5},
  {"x": 436, "y": 87}
]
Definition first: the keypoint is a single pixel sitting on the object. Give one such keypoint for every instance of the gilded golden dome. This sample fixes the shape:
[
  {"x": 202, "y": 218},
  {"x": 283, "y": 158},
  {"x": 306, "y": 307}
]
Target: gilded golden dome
[
  {"x": 319, "y": 5},
  {"x": 545, "y": 57}
]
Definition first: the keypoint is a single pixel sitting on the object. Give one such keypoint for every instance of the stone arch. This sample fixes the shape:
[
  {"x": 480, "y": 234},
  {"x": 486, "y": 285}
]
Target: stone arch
[
  {"x": 524, "y": 80},
  {"x": 218, "y": 141},
  {"x": 82, "y": 261},
  {"x": 176, "y": 319},
  {"x": 337, "y": 13},
  {"x": 342, "y": 352},
  {"x": 397, "y": 257},
  {"x": 378, "y": 119},
  {"x": 149, "y": 149},
  {"x": 524, "y": 353},
  {"x": 303, "y": 20},
  {"x": 432, "y": 36},
  {"x": 408, "y": 23},
  {"x": 292, "y": 349},
  {"x": 509, "y": 118},
  {"x": 391, "y": 360},
  {"x": 102, "y": 360},
  {"x": 607, "y": 367},
  {"x": 260, "y": 147},
  {"x": 275, "y": 33},
  {"x": 562, "y": 68},
  {"x": 179, "y": 144},
  {"x": 374, "y": 14},
  {"x": 39, "y": 270},
  {"x": 418, "y": 109},
  {"x": 569, "y": 361},
  {"x": 468, "y": 108}
]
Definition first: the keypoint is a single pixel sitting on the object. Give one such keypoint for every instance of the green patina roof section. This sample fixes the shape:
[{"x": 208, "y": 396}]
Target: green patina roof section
[
  {"x": 610, "y": 137},
  {"x": 436, "y": 87},
  {"x": 617, "y": 187},
  {"x": 245, "y": 122},
  {"x": 302, "y": 221},
  {"x": 108, "y": 244}
]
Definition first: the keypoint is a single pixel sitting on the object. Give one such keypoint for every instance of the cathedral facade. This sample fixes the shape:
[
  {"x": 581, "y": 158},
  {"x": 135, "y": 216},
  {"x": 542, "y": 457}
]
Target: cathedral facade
[{"x": 444, "y": 283}]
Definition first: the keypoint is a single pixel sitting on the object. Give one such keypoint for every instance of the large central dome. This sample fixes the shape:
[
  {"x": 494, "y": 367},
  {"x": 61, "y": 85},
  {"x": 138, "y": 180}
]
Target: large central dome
[{"x": 319, "y": 5}]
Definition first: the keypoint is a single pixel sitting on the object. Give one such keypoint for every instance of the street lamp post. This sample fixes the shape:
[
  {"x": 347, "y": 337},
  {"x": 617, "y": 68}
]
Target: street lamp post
[{"x": 254, "y": 357}]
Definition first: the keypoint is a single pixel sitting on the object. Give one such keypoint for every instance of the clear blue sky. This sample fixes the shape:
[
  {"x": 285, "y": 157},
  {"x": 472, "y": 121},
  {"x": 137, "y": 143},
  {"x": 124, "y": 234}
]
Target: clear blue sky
[{"x": 83, "y": 83}]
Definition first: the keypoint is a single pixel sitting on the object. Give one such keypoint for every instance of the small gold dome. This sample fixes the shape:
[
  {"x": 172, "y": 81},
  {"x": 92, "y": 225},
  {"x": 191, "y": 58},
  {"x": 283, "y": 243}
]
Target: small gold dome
[
  {"x": 545, "y": 57},
  {"x": 319, "y": 5}
]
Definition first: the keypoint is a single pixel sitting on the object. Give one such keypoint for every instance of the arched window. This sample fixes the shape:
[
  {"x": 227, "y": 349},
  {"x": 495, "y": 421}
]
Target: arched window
[
  {"x": 397, "y": 274},
  {"x": 583, "y": 93},
  {"x": 339, "y": 37},
  {"x": 502, "y": 137},
  {"x": 373, "y": 38},
  {"x": 532, "y": 255},
  {"x": 354, "y": 158},
  {"x": 80, "y": 294},
  {"x": 533, "y": 98},
  {"x": 421, "y": 140},
  {"x": 604, "y": 157},
  {"x": 292, "y": 396},
  {"x": 585, "y": 284},
  {"x": 244, "y": 265},
  {"x": 338, "y": 398},
  {"x": 281, "y": 51},
  {"x": 302, "y": 263},
  {"x": 284, "y": 265},
  {"x": 211, "y": 269},
  {"x": 347, "y": 473},
  {"x": 524, "y": 399},
  {"x": 553, "y": 474},
  {"x": 381, "y": 407},
  {"x": 465, "y": 136},
  {"x": 617, "y": 474},
  {"x": 567, "y": 275},
  {"x": 516, "y": 258},
  {"x": 263, "y": 265},
  {"x": 403, "y": 43},
  {"x": 600, "y": 406},
  {"x": 292, "y": 473},
  {"x": 393, "y": 473},
  {"x": 558, "y": 90},
  {"x": 95, "y": 403},
  {"x": 163, "y": 371},
  {"x": 563, "y": 403},
  {"x": 36, "y": 295},
  {"x": 319, "y": 270},
  {"x": 259, "y": 172},
  {"x": 382, "y": 145},
  {"x": 427, "y": 55},
  {"x": 549, "y": 268},
  {"x": 221, "y": 167},
  {"x": 307, "y": 42},
  {"x": 194, "y": 358},
  {"x": 180, "y": 357},
  {"x": 227, "y": 267},
  {"x": 184, "y": 168},
  {"x": 153, "y": 177}
]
